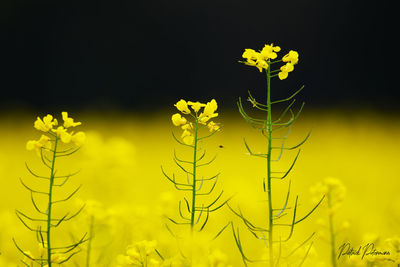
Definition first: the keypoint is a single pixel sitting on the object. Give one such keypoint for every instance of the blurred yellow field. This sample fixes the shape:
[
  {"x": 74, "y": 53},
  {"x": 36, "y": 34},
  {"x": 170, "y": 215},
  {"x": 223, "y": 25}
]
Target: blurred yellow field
[{"x": 128, "y": 199}]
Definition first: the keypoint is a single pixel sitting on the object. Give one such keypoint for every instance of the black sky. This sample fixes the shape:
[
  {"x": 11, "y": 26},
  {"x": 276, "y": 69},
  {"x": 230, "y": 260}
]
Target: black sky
[{"x": 149, "y": 54}]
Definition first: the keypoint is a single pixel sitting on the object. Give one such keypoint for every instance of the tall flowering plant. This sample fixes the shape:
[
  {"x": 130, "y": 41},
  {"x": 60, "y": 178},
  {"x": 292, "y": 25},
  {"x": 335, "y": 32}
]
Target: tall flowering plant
[
  {"x": 196, "y": 122},
  {"x": 55, "y": 142},
  {"x": 266, "y": 61}
]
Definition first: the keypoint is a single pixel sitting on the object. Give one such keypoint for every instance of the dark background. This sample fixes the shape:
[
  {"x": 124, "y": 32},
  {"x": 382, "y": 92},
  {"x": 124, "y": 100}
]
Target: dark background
[{"x": 135, "y": 55}]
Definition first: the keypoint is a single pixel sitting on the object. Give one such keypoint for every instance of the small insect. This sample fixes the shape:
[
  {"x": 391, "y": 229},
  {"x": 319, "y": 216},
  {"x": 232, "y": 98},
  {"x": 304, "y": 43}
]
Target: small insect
[{"x": 221, "y": 146}]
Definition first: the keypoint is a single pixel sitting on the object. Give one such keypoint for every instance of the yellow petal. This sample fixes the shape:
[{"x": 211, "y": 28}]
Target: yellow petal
[{"x": 79, "y": 138}]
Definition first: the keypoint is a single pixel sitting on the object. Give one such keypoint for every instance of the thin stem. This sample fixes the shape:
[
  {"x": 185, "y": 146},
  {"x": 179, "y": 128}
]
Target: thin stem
[
  {"x": 193, "y": 210},
  {"x": 50, "y": 202},
  {"x": 332, "y": 231},
  {"x": 269, "y": 187},
  {"x": 89, "y": 247}
]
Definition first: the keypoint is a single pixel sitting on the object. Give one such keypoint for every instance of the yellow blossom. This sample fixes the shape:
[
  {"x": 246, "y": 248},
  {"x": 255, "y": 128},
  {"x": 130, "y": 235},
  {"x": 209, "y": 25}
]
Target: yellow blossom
[
  {"x": 43, "y": 142},
  {"x": 62, "y": 133},
  {"x": 255, "y": 59},
  {"x": 208, "y": 112},
  {"x": 178, "y": 120},
  {"x": 46, "y": 124},
  {"x": 185, "y": 133},
  {"x": 182, "y": 106},
  {"x": 251, "y": 56},
  {"x": 268, "y": 52},
  {"x": 187, "y": 126},
  {"x": 79, "y": 138},
  {"x": 210, "y": 107},
  {"x": 212, "y": 126},
  {"x": 260, "y": 59},
  {"x": 285, "y": 69},
  {"x": 188, "y": 139},
  {"x": 196, "y": 105},
  {"x": 292, "y": 57},
  {"x": 69, "y": 122}
]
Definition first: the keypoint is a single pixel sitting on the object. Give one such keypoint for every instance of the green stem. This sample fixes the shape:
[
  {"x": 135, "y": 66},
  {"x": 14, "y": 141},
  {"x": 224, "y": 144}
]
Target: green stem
[
  {"x": 89, "y": 247},
  {"x": 193, "y": 211},
  {"x": 332, "y": 232},
  {"x": 50, "y": 203},
  {"x": 269, "y": 188}
]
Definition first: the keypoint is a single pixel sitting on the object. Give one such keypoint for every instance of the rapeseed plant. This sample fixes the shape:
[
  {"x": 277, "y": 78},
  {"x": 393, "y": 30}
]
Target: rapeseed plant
[
  {"x": 335, "y": 192},
  {"x": 198, "y": 116},
  {"x": 264, "y": 60},
  {"x": 48, "y": 148}
]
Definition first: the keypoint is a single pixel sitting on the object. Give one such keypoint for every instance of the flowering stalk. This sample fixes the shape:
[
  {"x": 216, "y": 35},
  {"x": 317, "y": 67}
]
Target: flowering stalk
[
  {"x": 332, "y": 232},
  {"x": 193, "y": 213},
  {"x": 48, "y": 149},
  {"x": 51, "y": 201},
  {"x": 193, "y": 184},
  {"x": 263, "y": 60},
  {"x": 335, "y": 193}
]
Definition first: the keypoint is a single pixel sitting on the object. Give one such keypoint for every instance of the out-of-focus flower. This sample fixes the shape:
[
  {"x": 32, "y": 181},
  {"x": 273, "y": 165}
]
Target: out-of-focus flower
[
  {"x": 217, "y": 258},
  {"x": 43, "y": 142},
  {"x": 139, "y": 254},
  {"x": 79, "y": 138},
  {"x": 187, "y": 137},
  {"x": 334, "y": 190},
  {"x": 62, "y": 133},
  {"x": 212, "y": 126}
]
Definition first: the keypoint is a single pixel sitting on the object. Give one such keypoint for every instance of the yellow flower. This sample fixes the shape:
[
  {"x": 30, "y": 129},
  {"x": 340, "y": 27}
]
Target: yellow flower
[
  {"x": 285, "y": 69},
  {"x": 79, "y": 138},
  {"x": 268, "y": 52},
  {"x": 251, "y": 55},
  {"x": 210, "y": 108},
  {"x": 187, "y": 126},
  {"x": 46, "y": 124},
  {"x": 178, "y": 120},
  {"x": 212, "y": 126},
  {"x": 185, "y": 133},
  {"x": 43, "y": 142},
  {"x": 196, "y": 105},
  {"x": 63, "y": 134},
  {"x": 69, "y": 122},
  {"x": 182, "y": 106},
  {"x": 292, "y": 57},
  {"x": 187, "y": 137},
  {"x": 133, "y": 253},
  {"x": 255, "y": 59}
]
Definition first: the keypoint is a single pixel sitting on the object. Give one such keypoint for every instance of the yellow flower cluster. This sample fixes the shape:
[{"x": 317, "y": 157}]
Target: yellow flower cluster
[
  {"x": 140, "y": 254},
  {"x": 203, "y": 118},
  {"x": 262, "y": 59},
  {"x": 334, "y": 190},
  {"x": 48, "y": 124}
]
